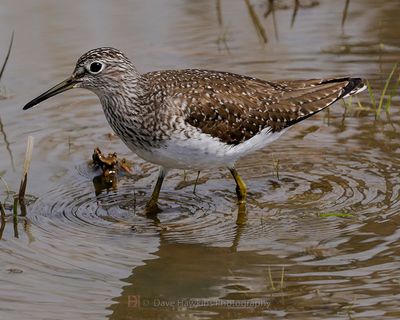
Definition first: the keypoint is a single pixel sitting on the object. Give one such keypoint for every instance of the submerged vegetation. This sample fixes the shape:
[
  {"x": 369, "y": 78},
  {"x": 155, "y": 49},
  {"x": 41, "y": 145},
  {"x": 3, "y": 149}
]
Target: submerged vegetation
[
  {"x": 387, "y": 92},
  {"x": 273, "y": 286},
  {"x": 271, "y": 7},
  {"x": 111, "y": 167},
  {"x": 110, "y": 164},
  {"x": 18, "y": 199},
  {"x": 382, "y": 101}
]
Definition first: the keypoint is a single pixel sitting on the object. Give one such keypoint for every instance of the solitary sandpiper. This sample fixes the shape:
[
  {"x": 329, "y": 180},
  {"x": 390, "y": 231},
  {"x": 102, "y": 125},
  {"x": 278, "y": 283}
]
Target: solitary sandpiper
[{"x": 197, "y": 119}]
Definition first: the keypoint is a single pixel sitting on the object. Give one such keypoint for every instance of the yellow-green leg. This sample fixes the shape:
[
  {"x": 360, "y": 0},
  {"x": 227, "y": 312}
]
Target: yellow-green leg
[
  {"x": 241, "y": 189},
  {"x": 152, "y": 206}
]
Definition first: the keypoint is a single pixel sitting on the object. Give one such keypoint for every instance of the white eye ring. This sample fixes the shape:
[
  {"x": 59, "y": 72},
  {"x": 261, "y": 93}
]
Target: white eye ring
[{"x": 95, "y": 67}]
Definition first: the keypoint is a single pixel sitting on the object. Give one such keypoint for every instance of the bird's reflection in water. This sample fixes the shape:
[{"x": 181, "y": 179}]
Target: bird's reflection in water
[
  {"x": 186, "y": 278},
  {"x": 189, "y": 280}
]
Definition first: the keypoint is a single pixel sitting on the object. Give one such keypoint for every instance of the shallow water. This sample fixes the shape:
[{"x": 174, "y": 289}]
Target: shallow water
[{"x": 320, "y": 239}]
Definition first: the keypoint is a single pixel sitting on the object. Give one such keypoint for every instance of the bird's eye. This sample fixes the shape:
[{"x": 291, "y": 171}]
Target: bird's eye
[{"x": 95, "y": 67}]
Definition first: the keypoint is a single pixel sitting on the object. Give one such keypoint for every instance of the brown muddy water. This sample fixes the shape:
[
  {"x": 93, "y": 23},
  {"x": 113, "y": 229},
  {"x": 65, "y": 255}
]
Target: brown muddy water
[{"x": 321, "y": 240}]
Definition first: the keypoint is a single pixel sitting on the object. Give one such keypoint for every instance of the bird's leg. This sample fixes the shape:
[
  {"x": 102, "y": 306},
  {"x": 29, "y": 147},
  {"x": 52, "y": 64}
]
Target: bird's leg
[
  {"x": 151, "y": 206},
  {"x": 241, "y": 189},
  {"x": 195, "y": 184}
]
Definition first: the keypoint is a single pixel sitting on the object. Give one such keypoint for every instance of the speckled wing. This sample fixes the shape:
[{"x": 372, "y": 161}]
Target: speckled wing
[{"x": 234, "y": 108}]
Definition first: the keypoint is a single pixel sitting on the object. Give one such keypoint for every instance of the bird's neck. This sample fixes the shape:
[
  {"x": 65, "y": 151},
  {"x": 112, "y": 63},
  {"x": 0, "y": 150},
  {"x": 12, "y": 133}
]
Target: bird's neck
[{"x": 129, "y": 111}]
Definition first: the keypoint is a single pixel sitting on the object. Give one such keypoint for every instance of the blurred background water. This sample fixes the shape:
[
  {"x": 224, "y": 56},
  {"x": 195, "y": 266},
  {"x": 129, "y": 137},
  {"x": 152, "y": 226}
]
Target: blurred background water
[{"x": 321, "y": 239}]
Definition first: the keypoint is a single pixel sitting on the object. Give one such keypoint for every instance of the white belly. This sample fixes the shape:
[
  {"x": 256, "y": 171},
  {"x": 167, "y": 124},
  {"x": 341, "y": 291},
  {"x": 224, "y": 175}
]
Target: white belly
[{"x": 203, "y": 151}]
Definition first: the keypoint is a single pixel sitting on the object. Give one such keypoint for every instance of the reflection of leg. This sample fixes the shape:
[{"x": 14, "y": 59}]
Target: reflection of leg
[
  {"x": 152, "y": 207},
  {"x": 2, "y": 226},
  {"x": 242, "y": 214},
  {"x": 195, "y": 184},
  {"x": 240, "y": 226},
  {"x": 241, "y": 192},
  {"x": 241, "y": 189}
]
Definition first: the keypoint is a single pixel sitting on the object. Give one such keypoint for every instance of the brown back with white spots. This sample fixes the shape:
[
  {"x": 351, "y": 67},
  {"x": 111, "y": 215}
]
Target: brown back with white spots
[{"x": 234, "y": 108}]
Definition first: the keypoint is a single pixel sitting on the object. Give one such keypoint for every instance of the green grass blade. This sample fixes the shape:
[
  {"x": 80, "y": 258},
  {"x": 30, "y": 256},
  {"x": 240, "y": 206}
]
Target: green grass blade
[
  {"x": 336, "y": 214},
  {"x": 360, "y": 104},
  {"x": 392, "y": 93},
  {"x": 385, "y": 89},
  {"x": 371, "y": 94}
]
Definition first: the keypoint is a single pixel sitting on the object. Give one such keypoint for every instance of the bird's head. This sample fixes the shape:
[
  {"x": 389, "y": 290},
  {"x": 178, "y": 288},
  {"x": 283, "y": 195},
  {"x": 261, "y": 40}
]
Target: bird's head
[{"x": 100, "y": 70}]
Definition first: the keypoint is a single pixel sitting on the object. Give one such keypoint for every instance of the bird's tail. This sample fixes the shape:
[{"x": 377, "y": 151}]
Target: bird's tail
[
  {"x": 319, "y": 94},
  {"x": 354, "y": 86}
]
